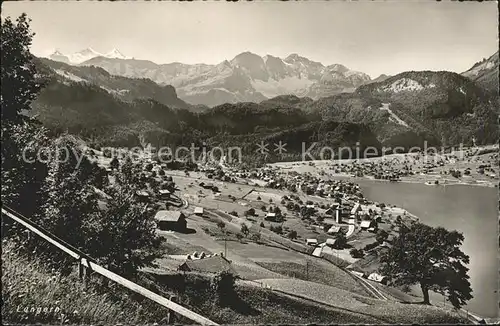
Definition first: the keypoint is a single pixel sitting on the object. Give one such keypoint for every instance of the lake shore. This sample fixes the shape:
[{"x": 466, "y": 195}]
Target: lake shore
[{"x": 472, "y": 167}]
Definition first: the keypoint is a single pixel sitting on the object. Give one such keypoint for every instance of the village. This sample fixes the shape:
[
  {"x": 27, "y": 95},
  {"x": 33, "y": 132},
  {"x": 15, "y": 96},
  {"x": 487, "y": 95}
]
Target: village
[
  {"x": 288, "y": 227},
  {"x": 215, "y": 218},
  {"x": 471, "y": 166}
]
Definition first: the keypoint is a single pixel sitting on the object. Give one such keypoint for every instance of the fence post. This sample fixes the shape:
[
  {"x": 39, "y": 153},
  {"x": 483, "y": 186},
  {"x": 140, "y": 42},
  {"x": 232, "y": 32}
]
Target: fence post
[
  {"x": 86, "y": 270},
  {"x": 80, "y": 270},
  {"x": 171, "y": 313}
]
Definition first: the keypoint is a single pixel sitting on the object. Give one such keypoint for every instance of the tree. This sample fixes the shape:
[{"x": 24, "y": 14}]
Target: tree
[
  {"x": 114, "y": 164},
  {"x": 432, "y": 258},
  {"x": 223, "y": 285},
  {"x": 356, "y": 253},
  {"x": 256, "y": 237},
  {"x": 61, "y": 216},
  {"x": 18, "y": 71},
  {"x": 340, "y": 240},
  {"x": 292, "y": 234},
  {"x": 250, "y": 212},
  {"x": 123, "y": 237},
  {"x": 128, "y": 170},
  {"x": 221, "y": 225},
  {"x": 381, "y": 236},
  {"x": 244, "y": 229},
  {"x": 21, "y": 180}
]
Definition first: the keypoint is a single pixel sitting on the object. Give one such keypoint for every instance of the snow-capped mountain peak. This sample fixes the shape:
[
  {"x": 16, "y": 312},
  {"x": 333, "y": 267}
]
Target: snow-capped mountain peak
[
  {"x": 84, "y": 55},
  {"x": 338, "y": 68},
  {"x": 246, "y": 77},
  {"x": 57, "y": 52},
  {"x": 115, "y": 54}
]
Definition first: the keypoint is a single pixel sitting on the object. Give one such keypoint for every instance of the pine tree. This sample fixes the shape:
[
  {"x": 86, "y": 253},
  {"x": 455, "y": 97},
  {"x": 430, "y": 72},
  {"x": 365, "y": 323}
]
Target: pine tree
[{"x": 21, "y": 179}]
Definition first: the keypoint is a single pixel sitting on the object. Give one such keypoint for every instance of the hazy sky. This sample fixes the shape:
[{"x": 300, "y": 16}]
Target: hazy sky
[{"x": 373, "y": 37}]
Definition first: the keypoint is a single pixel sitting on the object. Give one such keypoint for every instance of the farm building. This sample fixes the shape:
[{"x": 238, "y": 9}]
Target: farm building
[
  {"x": 208, "y": 185},
  {"x": 198, "y": 211},
  {"x": 333, "y": 230},
  {"x": 365, "y": 225},
  {"x": 213, "y": 264},
  {"x": 329, "y": 221},
  {"x": 270, "y": 216},
  {"x": 142, "y": 195},
  {"x": 332, "y": 209},
  {"x": 351, "y": 221},
  {"x": 164, "y": 193},
  {"x": 330, "y": 242},
  {"x": 356, "y": 209},
  {"x": 378, "y": 278},
  {"x": 312, "y": 242},
  {"x": 358, "y": 273},
  {"x": 386, "y": 244},
  {"x": 171, "y": 220}
]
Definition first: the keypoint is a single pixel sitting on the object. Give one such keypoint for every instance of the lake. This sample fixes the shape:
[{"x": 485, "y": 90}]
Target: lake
[{"x": 471, "y": 210}]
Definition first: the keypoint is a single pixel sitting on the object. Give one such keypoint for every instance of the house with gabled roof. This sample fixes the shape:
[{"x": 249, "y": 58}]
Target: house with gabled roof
[{"x": 171, "y": 220}]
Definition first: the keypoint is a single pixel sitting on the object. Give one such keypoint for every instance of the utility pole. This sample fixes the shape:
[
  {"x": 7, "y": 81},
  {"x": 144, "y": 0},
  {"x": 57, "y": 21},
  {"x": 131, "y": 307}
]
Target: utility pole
[{"x": 225, "y": 245}]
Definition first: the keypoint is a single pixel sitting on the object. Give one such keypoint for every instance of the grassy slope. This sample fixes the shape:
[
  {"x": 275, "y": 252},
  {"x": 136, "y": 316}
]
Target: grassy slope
[{"x": 26, "y": 282}]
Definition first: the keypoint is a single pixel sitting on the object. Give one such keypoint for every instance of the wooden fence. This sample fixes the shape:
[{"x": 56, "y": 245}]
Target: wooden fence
[{"x": 86, "y": 264}]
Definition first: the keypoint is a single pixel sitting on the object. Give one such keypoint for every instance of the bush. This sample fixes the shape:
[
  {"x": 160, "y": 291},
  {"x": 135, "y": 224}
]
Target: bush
[
  {"x": 245, "y": 230},
  {"x": 250, "y": 212},
  {"x": 292, "y": 234},
  {"x": 223, "y": 285},
  {"x": 370, "y": 246},
  {"x": 149, "y": 167},
  {"x": 277, "y": 229},
  {"x": 234, "y": 213},
  {"x": 357, "y": 253},
  {"x": 381, "y": 236},
  {"x": 256, "y": 237}
]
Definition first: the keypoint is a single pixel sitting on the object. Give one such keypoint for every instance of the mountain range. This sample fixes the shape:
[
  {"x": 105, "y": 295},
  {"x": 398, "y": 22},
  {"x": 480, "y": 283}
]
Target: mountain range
[
  {"x": 84, "y": 55},
  {"x": 246, "y": 78},
  {"x": 485, "y": 73},
  {"x": 442, "y": 108}
]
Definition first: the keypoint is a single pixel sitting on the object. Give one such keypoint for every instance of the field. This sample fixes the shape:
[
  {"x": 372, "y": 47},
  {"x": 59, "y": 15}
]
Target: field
[{"x": 28, "y": 284}]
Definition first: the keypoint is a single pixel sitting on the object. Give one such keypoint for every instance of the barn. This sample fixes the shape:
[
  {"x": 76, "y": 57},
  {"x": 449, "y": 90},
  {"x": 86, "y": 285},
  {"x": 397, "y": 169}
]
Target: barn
[
  {"x": 171, "y": 220},
  {"x": 213, "y": 264}
]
